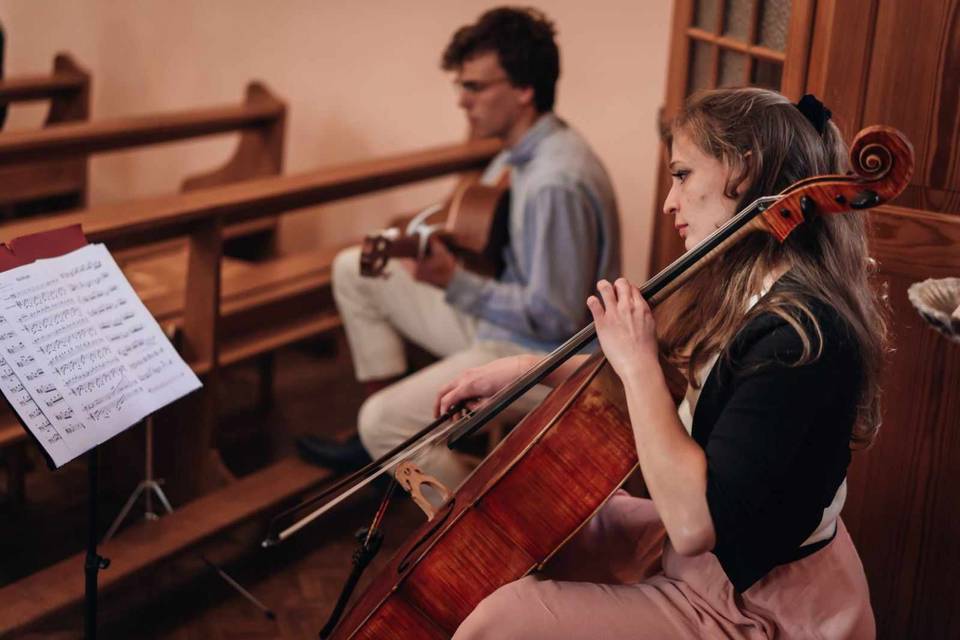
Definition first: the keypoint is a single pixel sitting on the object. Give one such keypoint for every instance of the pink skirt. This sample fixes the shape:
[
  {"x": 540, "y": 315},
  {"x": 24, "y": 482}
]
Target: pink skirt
[{"x": 621, "y": 578}]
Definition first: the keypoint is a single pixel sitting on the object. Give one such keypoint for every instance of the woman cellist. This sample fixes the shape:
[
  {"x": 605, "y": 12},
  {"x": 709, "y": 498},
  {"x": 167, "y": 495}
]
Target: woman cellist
[{"x": 782, "y": 345}]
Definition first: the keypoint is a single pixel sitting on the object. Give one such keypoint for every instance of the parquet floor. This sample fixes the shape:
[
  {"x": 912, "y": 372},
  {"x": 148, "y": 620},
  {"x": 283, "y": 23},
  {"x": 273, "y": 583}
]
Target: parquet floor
[
  {"x": 299, "y": 580},
  {"x": 299, "y": 583}
]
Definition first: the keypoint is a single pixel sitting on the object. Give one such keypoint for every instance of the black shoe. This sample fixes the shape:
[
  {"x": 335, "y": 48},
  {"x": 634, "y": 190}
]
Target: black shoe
[{"x": 332, "y": 454}]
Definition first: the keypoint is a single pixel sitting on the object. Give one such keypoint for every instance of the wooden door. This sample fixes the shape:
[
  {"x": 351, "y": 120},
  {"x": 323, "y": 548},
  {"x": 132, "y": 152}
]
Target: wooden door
[{"x": 898, "y": 63}]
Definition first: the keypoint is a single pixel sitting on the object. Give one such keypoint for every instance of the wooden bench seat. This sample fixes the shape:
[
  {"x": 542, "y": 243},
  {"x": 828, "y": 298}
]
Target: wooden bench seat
[{"x": 292, "y": 291}]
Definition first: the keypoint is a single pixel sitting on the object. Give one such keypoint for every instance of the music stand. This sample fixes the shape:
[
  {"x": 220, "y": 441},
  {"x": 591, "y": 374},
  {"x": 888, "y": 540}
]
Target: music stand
[{"x": 23, "y": 251}]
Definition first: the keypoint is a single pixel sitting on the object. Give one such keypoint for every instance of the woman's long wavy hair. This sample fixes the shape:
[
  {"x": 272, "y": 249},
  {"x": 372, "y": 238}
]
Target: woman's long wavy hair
[{"x": 763, "y": 137}]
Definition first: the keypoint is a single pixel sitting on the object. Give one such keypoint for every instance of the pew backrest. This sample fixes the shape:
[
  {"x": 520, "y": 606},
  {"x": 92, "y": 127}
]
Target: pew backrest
[
  {"x": 200, "y": 215},
  {"x": 47, "y": 184},
  {"x": 260, "y": 119}
]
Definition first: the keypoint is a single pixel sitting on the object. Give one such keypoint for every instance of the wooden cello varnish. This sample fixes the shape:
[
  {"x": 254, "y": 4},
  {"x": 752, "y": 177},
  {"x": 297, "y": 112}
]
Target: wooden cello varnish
[{"x": 510, "y": 515}]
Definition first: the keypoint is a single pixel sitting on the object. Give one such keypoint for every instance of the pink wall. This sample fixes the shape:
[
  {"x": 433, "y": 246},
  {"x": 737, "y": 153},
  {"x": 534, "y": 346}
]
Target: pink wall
[{"x": 360, "y": 79}]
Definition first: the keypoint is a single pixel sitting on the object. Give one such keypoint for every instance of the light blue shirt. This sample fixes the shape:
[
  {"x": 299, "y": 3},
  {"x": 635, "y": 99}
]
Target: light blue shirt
[{"x": 564, "y": 236}]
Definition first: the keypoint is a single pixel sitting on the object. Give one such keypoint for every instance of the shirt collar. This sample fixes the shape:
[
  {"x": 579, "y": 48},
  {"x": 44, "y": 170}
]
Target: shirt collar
[{"x": 522, "y": 152}]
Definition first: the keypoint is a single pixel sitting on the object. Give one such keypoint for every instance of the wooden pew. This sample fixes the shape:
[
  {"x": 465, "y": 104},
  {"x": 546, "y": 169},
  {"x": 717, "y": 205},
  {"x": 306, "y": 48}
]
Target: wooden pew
[
  {"x": 260, "y": 119},
  {"x": 200, "y": 215},
  {"x": 44, "y": 184},
  {"x": 45, "y": 170},
  {"x": 113, "y": 134}
]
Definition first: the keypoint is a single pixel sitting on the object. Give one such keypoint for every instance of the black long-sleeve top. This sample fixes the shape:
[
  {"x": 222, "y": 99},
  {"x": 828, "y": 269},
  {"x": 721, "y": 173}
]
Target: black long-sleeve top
[{"x": 776, "y": 438}]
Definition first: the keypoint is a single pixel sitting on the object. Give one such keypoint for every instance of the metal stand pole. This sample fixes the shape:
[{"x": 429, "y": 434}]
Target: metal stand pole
[
  {"x": 148, "y": 486},
  {"x": 94, "y": 562}
]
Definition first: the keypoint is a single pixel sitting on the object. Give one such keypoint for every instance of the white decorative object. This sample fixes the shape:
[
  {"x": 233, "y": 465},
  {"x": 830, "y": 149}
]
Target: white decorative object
[{"x": 938, "y": 301}]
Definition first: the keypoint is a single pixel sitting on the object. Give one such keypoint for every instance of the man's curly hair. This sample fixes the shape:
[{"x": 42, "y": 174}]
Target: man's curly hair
[{"x": 524, "y": 44}]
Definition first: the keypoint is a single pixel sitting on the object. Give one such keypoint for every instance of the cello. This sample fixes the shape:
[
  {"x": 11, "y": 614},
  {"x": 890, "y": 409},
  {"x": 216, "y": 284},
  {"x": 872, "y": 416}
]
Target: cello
[{"x": 558, "y": 467}]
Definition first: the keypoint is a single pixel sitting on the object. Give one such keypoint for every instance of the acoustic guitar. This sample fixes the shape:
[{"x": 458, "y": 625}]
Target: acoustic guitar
[{"x": 473, "y": 223}]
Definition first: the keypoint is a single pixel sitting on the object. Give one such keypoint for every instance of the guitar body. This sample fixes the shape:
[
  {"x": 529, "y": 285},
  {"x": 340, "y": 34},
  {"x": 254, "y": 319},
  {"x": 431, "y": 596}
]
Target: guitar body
[{"x": 474, "y": 226}]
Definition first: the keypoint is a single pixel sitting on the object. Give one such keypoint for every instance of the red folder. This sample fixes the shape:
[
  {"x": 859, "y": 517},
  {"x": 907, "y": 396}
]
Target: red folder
[{"x": 46, "y": 244}]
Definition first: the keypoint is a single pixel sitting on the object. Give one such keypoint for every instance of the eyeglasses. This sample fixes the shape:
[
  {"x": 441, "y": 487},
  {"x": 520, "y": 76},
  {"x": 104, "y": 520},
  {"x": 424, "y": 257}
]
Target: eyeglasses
[{"x": 474, "y": 87}]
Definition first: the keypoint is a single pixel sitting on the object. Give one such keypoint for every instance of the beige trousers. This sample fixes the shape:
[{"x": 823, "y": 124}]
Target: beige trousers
[{"x": 378, "y": 313}]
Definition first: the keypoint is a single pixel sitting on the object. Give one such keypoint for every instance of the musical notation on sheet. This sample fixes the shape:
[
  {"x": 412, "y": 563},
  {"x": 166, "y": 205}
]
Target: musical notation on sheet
[
  {"x": 22, "y": 402},
  {"x": 82, "y": 357}
]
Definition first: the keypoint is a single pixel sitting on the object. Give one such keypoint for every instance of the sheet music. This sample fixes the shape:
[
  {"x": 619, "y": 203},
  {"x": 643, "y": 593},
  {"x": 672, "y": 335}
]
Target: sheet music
[{"x": 79, "y": 342}]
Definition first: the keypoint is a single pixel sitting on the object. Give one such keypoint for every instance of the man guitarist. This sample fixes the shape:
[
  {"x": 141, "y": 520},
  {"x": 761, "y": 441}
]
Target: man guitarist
[{"x": 563, "y": 238}]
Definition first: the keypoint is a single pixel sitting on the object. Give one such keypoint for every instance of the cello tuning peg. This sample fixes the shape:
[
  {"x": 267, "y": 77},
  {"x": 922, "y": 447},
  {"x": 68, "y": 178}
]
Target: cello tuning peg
[{"x": 865, "y": 199}]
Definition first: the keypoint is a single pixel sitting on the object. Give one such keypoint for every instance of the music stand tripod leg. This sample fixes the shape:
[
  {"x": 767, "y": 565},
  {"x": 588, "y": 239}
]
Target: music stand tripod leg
[{"x": 148, "y": 486}]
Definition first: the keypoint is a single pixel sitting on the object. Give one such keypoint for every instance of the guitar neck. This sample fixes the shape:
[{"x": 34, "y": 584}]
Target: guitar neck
[{"x": 377, "y": 250}]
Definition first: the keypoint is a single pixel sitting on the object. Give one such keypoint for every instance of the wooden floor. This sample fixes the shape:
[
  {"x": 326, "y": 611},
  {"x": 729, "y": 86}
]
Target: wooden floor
[
  {"x": 299, "y": 580},
  {"x": 300, "y": 584}
]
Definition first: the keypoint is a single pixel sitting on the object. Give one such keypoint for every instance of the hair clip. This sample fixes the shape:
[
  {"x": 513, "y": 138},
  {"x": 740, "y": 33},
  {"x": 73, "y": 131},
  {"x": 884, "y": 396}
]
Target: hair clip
[{"x": 814, "y": 111}]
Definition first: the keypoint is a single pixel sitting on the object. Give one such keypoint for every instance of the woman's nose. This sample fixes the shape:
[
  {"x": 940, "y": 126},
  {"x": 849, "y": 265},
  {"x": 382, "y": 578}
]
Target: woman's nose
[{"x": 670, "y": 203}]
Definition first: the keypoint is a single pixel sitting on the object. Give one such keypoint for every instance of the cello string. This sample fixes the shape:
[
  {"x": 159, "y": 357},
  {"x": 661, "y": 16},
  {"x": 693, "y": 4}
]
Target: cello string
[{"x": 432, "y": 434}]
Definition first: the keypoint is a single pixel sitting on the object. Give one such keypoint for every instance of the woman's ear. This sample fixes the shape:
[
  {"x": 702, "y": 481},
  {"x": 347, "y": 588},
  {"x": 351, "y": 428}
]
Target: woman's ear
[{"x": 741, "y": 182}]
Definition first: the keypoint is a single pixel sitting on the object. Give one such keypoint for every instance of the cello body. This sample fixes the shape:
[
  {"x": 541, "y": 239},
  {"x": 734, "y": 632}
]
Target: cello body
[{"x": 509, "y": 517}]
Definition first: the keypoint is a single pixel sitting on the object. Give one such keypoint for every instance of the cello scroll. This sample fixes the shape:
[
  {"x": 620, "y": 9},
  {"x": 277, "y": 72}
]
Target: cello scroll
[{"x": 882, "y": 162}]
